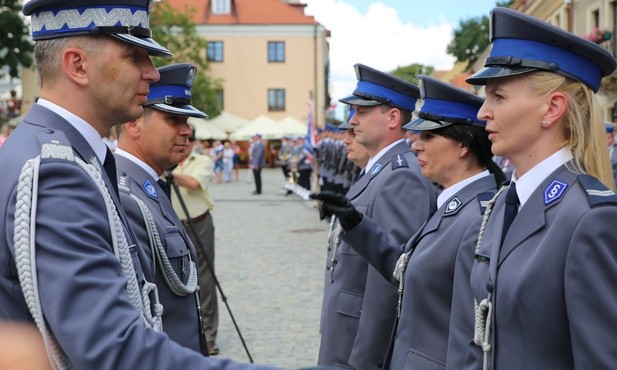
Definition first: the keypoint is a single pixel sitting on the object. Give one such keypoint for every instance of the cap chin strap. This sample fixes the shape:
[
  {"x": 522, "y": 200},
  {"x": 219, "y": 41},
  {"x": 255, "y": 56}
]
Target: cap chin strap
[
  {"x": 444, "y": 119},
  {"x": 521, "y": 63},
  {"x": 169, "y": 100},
  {"x": 122, "y": 30}
]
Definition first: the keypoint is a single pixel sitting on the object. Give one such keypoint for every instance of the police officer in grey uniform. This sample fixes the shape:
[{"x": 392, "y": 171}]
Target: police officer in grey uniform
[
  {"x": 359, "y": 304},
  {"x": 146, "y": 148},
  {"x": 68, "y": 258},
  {"x": 433, "y": 267},
  {"x": 545, "y": 268}
]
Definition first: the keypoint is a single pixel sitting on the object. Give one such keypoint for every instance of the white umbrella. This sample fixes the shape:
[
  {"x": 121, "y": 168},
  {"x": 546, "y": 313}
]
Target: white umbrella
[
  {"x": 205, "y": 130},
  {"x": 228, "y": 122},
  {"x": 263, "y": 125},
  {"x": 293, "y": 127}
]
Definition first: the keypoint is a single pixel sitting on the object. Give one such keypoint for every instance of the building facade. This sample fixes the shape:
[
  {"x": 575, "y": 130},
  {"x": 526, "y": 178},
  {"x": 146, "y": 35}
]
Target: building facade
[{"x": 271, "y": 57}]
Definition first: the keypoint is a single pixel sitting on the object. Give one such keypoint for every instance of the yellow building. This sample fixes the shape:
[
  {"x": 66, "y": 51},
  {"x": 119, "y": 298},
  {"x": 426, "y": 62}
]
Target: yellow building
[{"x": 271, "y": 57}]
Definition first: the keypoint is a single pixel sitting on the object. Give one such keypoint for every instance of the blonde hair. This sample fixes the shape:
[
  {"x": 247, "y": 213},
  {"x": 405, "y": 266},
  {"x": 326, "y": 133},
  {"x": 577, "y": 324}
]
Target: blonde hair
[{"x": 583, "y": 124}]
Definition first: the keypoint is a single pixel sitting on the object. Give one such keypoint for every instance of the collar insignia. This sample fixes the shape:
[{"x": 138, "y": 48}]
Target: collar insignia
[
  {"x": 375, "y": 170},
  {"x": 150, "y": 190},
  {"x": 452, "y": 206},
  {"x": 554, "y": 191}
]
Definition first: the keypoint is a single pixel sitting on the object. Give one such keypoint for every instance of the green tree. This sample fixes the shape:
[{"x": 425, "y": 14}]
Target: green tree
[
  {"x": 411, "y": 72},
  {"x": 471, "y": 37},
  {"x": 175, "y": 30},
  {"x": 15, "y": 45}
]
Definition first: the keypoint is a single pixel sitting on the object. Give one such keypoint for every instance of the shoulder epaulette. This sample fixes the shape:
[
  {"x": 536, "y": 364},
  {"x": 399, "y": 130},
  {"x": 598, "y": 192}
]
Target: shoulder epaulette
[
  {"x": 55, "y": 145},
  {"x": 597, "y": 193},
  {"x": 123, "y": 182},
  {"x": 483, "y": 199},
  {"x": 399, "y": 161}
]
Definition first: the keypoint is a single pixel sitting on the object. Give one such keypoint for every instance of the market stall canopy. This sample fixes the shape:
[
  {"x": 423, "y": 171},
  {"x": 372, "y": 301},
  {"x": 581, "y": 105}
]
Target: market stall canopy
[
  {"x": 228, "y": 122},
  {"x": 264, "y": 125},
  {"x": 205, "y": 130},
  {"x": 293, "y": 127}
]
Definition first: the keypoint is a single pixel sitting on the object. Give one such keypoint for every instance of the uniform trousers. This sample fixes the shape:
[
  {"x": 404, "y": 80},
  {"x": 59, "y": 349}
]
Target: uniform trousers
[
  {"x": 304, "y": 178},
  {"x": 257, "y": 176},
  {"x": 204, "y": 244}
]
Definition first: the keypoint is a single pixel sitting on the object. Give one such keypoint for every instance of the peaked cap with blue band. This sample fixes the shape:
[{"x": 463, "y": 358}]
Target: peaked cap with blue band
[
  {"x": 522, "y": 43},
  {"x": 126, "y": 20},
  {"x": 172, "y": 93},
  {"x": 443, "y": 105},
  {"x": 346, "y": 125},
  {"x": 375, "y": 88}
]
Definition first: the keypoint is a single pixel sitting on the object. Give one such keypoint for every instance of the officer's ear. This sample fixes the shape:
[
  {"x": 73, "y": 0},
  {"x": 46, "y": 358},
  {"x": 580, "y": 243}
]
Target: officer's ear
[
  {"x": 74, "y": 64},
  {"x": 133, "y": 128},
  {"x": 557, "y": 106}
]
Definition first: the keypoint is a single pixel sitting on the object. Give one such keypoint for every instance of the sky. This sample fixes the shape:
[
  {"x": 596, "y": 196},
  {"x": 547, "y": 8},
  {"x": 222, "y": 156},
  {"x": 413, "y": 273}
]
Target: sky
[{"x": 387, "y": 34}]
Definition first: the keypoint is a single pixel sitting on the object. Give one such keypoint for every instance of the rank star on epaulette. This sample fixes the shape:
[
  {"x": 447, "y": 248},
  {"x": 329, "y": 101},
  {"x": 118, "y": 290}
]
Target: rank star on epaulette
[
  {"x": 150, "y": 190},
  {"x": 452, "y": 206},
  {"x": 399, "y": 161}
]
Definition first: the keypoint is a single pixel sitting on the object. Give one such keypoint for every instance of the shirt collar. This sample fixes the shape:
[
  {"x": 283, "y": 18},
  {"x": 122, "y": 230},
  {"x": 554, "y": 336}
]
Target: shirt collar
[
  {"x": 452, "y": 190},
  {"x": 93, "y": 138},
  {"x": 526, "y": 184},
  {"x": 138, "y": 162},
  {"x": 376, "y": 158}
]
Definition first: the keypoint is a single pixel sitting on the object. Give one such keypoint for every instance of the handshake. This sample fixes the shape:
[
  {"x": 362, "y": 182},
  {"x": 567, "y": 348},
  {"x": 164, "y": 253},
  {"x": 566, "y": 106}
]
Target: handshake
[{"x": 333, "y": 203}]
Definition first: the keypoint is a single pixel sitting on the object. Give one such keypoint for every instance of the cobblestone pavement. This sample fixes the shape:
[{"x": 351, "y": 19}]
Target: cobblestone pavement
[{"x": 270, "y": 255}]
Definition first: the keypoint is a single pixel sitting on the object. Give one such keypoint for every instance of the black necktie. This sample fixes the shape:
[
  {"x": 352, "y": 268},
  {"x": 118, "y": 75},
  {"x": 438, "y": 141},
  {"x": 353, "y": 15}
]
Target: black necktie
[
  {"x": 110, "y": 167},
  {"x": 511, "y": 210},
  {"x": 165, "y": 186},
  {"x": 360, "y": 174}
]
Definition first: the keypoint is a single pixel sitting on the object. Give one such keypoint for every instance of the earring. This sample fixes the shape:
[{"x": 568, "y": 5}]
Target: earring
[{"x": 546, "y": 123}]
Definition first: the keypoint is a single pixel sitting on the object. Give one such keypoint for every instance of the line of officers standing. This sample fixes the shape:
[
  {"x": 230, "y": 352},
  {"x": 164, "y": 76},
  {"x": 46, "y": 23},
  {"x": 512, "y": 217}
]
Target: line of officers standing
[{"x": 488, "y": 274}]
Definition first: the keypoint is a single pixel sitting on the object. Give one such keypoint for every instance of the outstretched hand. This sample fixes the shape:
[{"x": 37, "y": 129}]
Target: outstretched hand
[{"x": 333, "y": 203}]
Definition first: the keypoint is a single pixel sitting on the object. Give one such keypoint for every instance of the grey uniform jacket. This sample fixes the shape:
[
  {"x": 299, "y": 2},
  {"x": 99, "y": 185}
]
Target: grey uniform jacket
[
  {"x": 441, "y": 260},
  {"x": 554, "y": 279},
  {"x": 180, "y": 320},
  {"x": 359, "y": 305},
  {"x": 258, "y": 154},
  {"x": 81, "y": 286}
]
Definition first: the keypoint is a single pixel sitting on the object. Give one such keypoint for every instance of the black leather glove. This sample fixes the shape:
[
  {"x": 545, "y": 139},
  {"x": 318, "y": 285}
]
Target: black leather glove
[{"x": 333, "y": 203}]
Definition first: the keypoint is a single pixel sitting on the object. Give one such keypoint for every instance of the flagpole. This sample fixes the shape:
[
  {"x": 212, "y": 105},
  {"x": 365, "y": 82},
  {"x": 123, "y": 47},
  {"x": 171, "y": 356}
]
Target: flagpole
[{"x": 311, "y": 140}]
